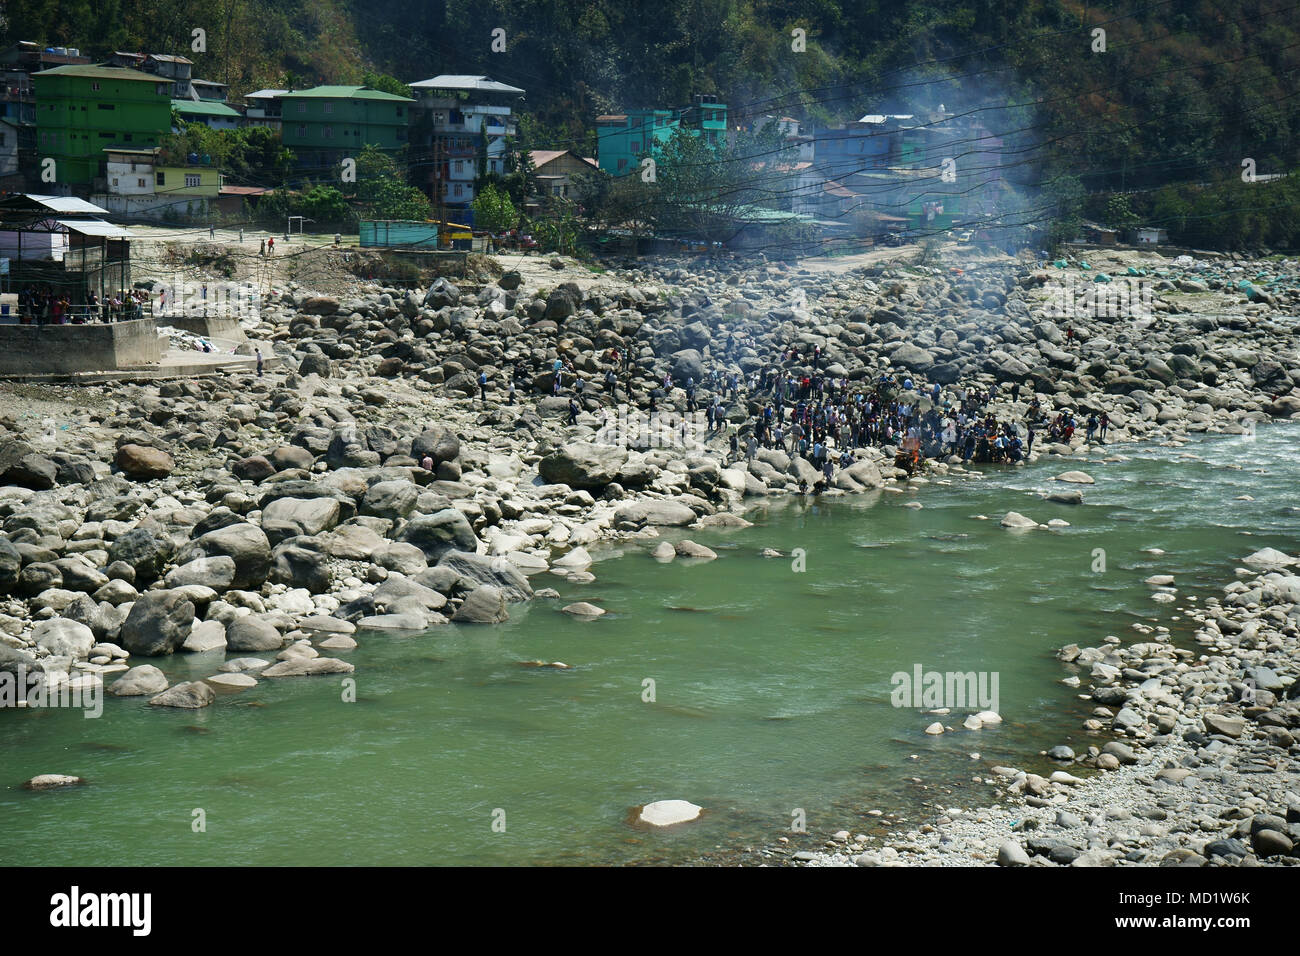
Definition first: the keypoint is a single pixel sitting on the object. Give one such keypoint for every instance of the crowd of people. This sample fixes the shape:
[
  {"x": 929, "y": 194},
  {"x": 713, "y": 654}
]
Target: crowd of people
[
  {"x": 803, "y": 411},
  {"x": 41, "y": 305}
]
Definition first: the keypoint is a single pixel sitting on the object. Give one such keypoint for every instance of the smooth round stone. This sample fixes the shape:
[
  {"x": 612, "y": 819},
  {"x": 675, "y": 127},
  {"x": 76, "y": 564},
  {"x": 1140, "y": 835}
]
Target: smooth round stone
[
  {"x": 230, "y": 683},
  {"x": 583, "y": 609},
  {"x": 339, "y": 642},
  {"x": 666, "y": 813}
]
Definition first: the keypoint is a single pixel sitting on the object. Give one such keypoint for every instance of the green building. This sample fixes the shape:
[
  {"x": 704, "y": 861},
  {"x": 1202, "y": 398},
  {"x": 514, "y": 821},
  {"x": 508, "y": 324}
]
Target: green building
[
  {"x": 623, "y": 138},
  {"x": 326, "y": 124},
  {"x": 80, "y": 110}
]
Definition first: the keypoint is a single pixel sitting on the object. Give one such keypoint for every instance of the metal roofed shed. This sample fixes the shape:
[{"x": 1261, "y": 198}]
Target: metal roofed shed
[
  {"x": 55, "y": 241},
  {"x": 95, "y": 227},
  {"x": 63, "y": 204}
]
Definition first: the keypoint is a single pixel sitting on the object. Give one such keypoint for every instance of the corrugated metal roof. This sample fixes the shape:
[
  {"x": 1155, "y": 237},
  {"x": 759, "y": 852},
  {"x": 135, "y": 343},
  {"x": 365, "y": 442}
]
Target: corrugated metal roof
[
  {"x": 101, "y": 73},
  {"x": 347, "y": 93},
  {"x": 204, "y": 108},
  {"x": 264, "y": 94},
  {"x": 66, "y": 204},
  {"x": 457, "y": 81},
  {"x": 95, "y": 227}
]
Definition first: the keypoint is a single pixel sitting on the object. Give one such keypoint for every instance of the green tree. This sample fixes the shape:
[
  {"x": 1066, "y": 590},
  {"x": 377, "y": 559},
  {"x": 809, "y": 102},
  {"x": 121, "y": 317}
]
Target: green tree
[
  {"x": 385, "y": 83},
  {"x": 493, "y": 210}
]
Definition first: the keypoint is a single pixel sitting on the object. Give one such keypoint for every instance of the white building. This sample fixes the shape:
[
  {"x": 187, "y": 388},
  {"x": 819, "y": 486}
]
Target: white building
[{"x": 459, "y": 122}]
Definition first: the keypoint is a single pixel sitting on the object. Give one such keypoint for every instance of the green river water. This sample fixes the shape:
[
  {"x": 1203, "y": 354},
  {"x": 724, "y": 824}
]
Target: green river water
[{"x": 772, "y": 687}]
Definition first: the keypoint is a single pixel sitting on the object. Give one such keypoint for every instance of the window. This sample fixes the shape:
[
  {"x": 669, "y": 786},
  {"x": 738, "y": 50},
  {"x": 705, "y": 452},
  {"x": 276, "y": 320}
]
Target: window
[
  {"x": 636, "y": 146},
  {"x": 94, "y": 87},
  {"x": 459, "y": 166},
  {"x": 622, "y": 165},
  {"x": 302, "y": 131},
  {"x": 160, "y": 179},
  {"x": 399, "y": 112},
  {"x": 302, "y": 107},
  {"x": 105, "y": 106},
  {"x": 114, "y": 180},
  {"x": 191, "y": 180},
  {"x": 138, "y": 182},
  {"x": 329, "y": 132},
  {"x": 329, "y": 106}
]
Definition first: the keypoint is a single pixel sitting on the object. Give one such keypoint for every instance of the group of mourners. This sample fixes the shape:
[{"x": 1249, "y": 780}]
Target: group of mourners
[
  {"x": 43, "y": 306},
  {"x": 821, "y": 417}
]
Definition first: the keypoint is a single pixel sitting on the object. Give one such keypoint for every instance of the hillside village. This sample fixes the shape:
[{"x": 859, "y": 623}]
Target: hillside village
[{"x": 99, "y": 130}]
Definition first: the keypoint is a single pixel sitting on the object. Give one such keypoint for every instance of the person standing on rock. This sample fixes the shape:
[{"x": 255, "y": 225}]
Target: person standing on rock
[
  {"x": 261, "y": 249},
  {"x": 482, "y": 386},
  {"x": 751, "y": 447},
  {"x": 1103, "y": 424},
  {"x": 573, "y": 411},
  {"x": 259, "y": 362},
  {"x": 426, "y": 463}
]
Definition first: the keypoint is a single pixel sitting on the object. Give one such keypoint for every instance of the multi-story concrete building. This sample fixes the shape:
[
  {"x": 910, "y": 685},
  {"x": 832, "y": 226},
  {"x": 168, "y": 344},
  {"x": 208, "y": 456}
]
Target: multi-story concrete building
[
  {"x": 623, "y": 139},
  {"x": 138, "y": 184},
  {"x": 327, "y": 124},
  {"x": 83, "y": 109},
  {"x": 459, "y": 130},
  {"x": 262, "y": 108}
]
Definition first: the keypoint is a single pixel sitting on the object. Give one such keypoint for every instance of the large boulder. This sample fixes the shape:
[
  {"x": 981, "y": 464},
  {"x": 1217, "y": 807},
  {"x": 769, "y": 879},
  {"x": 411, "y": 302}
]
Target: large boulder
[
  {"x": 655, "y": 511},
  {"x": 64, "y": 638},
  {"x": 11, "y": 563},
  {"x": 583, "y": 464},
  {"x": 159, "y": 622},
  {"x": 190, "y": 695},
  {"x": 142, "y": 462},
  {"x": 252, "y": 633},
  {"x": 245, "y": 543},
  {"x": 287, "y": 517},
  {"x": 143, "y": 550},
  {"x": 34, "y": 471},
  {"x": 441, "y": 294},
  {"x": 390, "y": 499},
  {"x": 217, "y": 573},
  {"x": 300, "y": 567},
  {"x": 440, "y": 444},
  {"x": 139, "y": 680},
  {"x": 477, "y": 569},
  {"x": 484, "y": 605},
  {"x": 688, "y": 364},
  {"x": 440, "y": 532},
  {"x": 912, "y": 357}
]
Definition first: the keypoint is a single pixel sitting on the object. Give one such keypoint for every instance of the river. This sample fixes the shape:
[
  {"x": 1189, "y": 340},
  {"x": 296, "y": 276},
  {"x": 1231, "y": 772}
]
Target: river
[{"x": 771, "y": 687}]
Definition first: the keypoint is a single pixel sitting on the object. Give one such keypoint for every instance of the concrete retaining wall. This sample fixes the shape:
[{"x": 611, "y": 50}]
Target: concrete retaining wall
[
  {"x": 225, "y": 328},
  {"x": 94, "y": 347}
]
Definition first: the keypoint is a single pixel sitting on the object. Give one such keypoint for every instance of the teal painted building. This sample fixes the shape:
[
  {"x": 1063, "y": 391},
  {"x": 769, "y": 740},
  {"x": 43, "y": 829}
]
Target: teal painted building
[{"x": 622, "y": 139}]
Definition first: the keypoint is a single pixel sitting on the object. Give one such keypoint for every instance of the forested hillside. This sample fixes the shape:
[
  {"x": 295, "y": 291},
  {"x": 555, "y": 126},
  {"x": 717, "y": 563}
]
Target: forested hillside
[{"x": 1184, "y": 91}]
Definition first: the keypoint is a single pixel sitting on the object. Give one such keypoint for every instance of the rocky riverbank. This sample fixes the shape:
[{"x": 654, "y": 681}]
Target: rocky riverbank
[
  {"x": 269, "y": 523},
  {"x": 1200, "y": 767}
]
